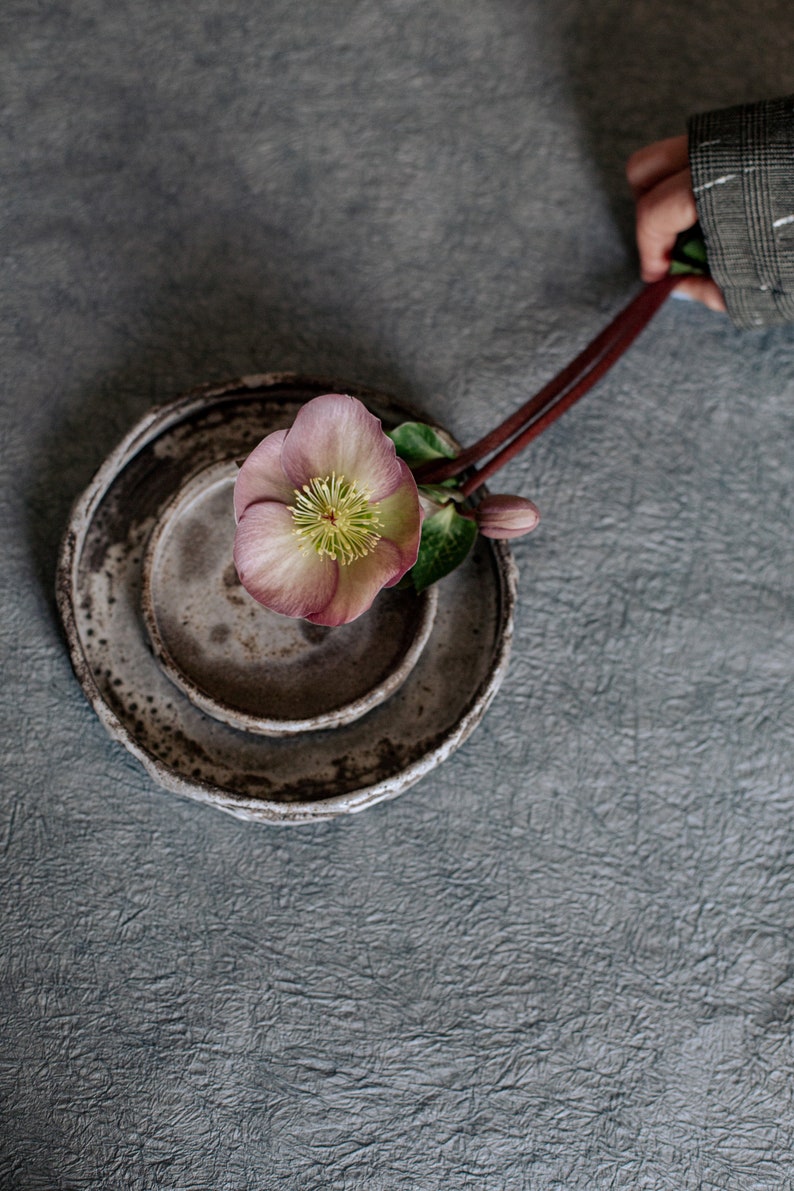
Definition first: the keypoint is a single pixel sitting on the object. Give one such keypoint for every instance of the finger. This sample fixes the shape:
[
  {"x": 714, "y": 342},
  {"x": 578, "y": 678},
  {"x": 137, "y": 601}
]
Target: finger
[
  {"x": 653, "y": 163},
  {"x": 701, "y": 289},
  {"x": 663, "y": 212}
]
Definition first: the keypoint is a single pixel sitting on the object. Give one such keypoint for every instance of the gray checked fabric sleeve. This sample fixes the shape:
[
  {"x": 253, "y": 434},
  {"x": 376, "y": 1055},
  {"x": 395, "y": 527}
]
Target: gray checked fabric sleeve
[{"x": 742, "y": 162}]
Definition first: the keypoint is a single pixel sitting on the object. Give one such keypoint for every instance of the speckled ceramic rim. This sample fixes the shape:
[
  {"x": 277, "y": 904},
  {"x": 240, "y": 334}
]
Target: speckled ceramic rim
[
  {"x": 241, "y": 806},
  {"x": 346, "y": 713}
]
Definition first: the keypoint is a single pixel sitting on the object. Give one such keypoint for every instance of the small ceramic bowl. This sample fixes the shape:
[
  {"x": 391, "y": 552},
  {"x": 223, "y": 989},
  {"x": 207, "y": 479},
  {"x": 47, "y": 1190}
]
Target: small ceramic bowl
[{"x": 249, "y": 667}]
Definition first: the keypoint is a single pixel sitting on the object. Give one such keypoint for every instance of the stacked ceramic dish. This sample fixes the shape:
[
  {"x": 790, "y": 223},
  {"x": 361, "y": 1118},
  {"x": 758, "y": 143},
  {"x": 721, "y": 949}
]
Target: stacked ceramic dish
[{"x": 268, "y": 718}]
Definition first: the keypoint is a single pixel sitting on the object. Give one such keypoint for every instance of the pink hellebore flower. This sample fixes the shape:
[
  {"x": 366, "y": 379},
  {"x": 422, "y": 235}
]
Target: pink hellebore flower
[
  {"x": 326, "y": 514},
  {"x": 501, "y": 516}
]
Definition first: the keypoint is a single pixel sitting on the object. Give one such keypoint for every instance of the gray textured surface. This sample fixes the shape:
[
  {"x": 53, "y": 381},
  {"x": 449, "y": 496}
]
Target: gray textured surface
[{"x": 565, "y": 960}]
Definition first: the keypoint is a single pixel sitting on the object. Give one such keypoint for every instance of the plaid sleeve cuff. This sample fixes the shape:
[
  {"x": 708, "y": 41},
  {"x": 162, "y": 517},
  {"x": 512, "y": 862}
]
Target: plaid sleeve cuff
[{"x": 742, "y": 161}]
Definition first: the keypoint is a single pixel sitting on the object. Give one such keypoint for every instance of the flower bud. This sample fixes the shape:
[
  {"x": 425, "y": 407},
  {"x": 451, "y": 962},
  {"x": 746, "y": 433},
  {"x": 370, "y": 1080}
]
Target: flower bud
[{"x": 502, "y": 516}]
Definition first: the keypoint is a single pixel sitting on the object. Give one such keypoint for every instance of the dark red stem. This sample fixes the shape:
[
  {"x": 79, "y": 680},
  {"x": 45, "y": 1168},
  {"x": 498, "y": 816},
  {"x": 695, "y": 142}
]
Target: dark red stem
[{"x": 558, "y": 395}]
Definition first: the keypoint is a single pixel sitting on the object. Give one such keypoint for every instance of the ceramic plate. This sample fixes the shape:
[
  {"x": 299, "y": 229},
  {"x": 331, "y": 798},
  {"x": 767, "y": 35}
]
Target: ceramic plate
[{"x": 121, "y": 587}]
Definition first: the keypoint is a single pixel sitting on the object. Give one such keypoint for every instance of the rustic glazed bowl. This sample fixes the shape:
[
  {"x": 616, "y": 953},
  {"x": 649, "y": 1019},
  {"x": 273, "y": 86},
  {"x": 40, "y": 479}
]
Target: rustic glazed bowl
[
  {"x": 247, "y": 666},
  {"x": 128, "y": 576}
]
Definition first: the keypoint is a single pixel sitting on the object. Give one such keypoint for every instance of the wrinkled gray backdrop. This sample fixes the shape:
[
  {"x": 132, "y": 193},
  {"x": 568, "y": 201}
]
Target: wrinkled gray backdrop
[{"x": 564, "y": 960}]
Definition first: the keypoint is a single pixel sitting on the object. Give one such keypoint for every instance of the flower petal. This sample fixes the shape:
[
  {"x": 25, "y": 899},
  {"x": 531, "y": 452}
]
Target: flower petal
[
  {"x": 401, "y": 520},
  {"x": 272, "y": 567},
  {"x": 262, "y": 477},
  {"x": 337, "y": 433},
  {"x": 359, "y": 583}
]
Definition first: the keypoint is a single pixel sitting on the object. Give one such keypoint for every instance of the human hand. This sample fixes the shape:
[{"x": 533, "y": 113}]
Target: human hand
[{"x": 661, "y": 183}]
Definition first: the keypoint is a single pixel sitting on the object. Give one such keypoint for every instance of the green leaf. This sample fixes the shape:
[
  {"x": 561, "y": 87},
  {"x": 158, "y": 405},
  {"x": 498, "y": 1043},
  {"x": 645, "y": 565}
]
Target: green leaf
[
  {"x": 446, "y": 540},
  {"x": 689, "y": 254},
  {"x": 441, "y": 493},
  {"x": 417, "y": 443}
]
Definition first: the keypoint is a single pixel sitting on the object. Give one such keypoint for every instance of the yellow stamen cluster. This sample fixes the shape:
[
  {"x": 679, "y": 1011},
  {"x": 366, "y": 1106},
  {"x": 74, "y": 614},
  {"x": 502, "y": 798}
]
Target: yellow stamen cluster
[{"x": 335, "y": 517}]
